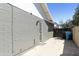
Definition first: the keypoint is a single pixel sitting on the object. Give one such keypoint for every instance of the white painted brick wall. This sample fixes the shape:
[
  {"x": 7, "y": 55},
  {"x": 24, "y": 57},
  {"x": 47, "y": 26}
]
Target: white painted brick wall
[{"x": 22, "y": 30}]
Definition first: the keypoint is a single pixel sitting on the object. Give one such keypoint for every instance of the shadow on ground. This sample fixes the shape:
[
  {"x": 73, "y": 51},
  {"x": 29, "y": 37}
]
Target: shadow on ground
[
  {"x": 70, "y": 49},
  {"x": 59, "y": 38}
]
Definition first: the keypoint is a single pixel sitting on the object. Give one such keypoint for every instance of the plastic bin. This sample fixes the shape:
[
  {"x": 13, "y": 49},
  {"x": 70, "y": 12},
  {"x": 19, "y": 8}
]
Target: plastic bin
[{"x": 68, "y": 35}]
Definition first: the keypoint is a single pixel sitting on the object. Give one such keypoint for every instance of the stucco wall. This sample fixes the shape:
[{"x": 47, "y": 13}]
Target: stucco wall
[{"x": 76, "y": 35}]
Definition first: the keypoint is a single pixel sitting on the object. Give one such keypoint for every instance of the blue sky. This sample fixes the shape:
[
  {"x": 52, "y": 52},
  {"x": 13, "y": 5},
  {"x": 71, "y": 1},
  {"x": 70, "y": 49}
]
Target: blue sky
[{"x": 62, "y": 11}]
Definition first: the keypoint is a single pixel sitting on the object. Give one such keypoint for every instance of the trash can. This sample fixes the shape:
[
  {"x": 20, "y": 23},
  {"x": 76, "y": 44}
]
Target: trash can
[{"x": 68, "y": 35}]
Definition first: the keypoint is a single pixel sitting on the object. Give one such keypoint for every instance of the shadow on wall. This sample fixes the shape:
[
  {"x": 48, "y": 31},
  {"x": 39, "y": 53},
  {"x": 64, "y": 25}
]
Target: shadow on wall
[
  {"x": 70, "y": 49},
  {"x": 50, "y": 25}
]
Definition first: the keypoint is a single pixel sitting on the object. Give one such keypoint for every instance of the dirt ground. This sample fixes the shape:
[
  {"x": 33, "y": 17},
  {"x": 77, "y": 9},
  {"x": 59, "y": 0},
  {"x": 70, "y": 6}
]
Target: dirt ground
[{"x": 54, "y": 47}]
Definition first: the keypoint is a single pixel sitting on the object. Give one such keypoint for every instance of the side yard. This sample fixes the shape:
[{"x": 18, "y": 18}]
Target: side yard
[{"x": 54, "y": 47}]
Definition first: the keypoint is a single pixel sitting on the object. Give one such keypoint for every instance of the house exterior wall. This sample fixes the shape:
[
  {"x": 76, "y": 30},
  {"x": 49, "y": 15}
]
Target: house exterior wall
[
  {"x": 36, "y": 10},
  {"x": 29, "y": 7},
  {"x": 44, "y": 31},
  {"x": 5, "y": 29},
  {"x": 25, "y": 30},
  {"x": 26, "y": 33},
  {"x": 43, "y": 10},
  {"x": 76, "y": 35},
  {"x": 18, "y": 30}
]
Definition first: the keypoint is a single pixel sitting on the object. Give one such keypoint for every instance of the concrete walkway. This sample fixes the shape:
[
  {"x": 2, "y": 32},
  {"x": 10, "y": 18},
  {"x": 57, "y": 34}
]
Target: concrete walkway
[{"x": 54, "y": 47}]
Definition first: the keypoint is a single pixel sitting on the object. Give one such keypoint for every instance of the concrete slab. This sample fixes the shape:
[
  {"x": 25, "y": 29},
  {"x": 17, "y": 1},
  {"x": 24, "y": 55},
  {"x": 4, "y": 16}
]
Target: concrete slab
[
  {"x": 54, "y": 47},
  {"x": 51, "y": 47}
]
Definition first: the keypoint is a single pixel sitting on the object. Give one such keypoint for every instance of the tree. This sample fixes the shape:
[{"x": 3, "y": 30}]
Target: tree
[
  {"x": 76, "y": 17},
  {"x": 67, "y": 24}
]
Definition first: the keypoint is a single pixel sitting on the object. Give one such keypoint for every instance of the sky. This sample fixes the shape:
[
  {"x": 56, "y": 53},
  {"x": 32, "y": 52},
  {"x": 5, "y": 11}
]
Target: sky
[{"x": 61, "y": 12}]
